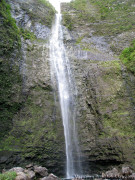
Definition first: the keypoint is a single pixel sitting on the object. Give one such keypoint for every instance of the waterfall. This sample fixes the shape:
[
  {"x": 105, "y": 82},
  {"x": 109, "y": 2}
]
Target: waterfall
[{"x": 63, "y": 79}]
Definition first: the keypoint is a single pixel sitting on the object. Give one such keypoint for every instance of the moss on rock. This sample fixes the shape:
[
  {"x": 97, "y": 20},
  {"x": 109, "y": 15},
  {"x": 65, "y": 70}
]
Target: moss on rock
[
  {"x": 9, "y": 32},
  {"x": 10, "y": 95},
  {"x": 10, "y": 78},
  {"x": 39, "y": 139},
  {"x": 128, "y": 57},
  {"x": 105, "y": 17},
  {"x": 42, "y": 11}
]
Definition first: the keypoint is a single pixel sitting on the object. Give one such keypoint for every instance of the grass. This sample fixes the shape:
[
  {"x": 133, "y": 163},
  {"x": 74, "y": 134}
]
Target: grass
[
  {"x": 8, "y": 176},
  {"x": 128, "y": 57},
  {"x": 116, "y": 17},
  {"x": 27, "y": 34}
]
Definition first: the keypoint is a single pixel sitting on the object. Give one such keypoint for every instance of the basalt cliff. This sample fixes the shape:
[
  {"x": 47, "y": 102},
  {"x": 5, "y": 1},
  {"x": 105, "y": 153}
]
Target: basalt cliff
[{"x": 31, "y": 128}]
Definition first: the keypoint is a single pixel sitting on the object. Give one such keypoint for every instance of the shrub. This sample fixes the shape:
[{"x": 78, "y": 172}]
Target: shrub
[
  {"x": 128, "y": 57},
  {"x": 27, "y": 34},
  {"x": 68, "y": 22},
  {"x": 8, "y": 176}
]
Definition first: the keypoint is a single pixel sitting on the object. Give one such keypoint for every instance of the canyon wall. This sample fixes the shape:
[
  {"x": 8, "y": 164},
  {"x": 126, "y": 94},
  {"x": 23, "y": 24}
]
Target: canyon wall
[{"x": 31, "y": 128}]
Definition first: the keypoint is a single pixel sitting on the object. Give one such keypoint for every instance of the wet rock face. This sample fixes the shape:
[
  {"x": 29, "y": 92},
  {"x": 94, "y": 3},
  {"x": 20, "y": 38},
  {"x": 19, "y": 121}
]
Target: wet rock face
[
  {"x": 37, "y": 131},
  {"x": 105, "y": 122},
  {"x": 105, "y": 99}
]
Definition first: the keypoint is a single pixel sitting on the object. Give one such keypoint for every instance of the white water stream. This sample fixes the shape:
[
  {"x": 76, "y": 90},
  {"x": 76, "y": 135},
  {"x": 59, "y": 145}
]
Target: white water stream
[{"x": 62, "y": 77}]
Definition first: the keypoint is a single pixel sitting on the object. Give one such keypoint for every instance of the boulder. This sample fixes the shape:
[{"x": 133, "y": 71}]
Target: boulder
[
  {"x": 112, "y": 174},
  {"x": 103, "y": 175},
  {"x": 29, "y": 166},
  {"x": 42, "y": 171},
  {"x": 132, "y": 176},
  {"x": 30, "y": 174},
  {"x": 126, "y": 171},
  {"x": 3, "y": 170},
  {"x": 50, "y": 177},
  {"x": 17, "y": 169},
  {"x": 21, "y": 176}
]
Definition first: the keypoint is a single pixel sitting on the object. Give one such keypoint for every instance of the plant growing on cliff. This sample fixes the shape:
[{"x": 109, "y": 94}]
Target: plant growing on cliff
[
  {"x": 50, "y": 12},
  {"x": 67, "y": 21},
  {"x": 9, "y": 32},
  {"x": 27, "y": 34},
  {"x": 10, "y": 78},
  {"x": 47, "y": 4},
  {"x": 116, "y": 16},
  {"x": 8, "y": 176},
  {"x": 128, "y": 57},
  {"x": 10, "y": 87}
]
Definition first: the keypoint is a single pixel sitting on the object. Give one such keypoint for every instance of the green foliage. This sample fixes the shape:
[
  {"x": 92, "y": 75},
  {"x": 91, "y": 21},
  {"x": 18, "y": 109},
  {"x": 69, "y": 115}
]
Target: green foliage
[
  {"x": 8, "y": 176},
  {"x": 116, "y": 117},
  {"x": 116, "y": 125},
  {"x": 79, "y": 39},
  {"x": 128, "y": 57},
  {"x": 27, "y": 34},
  {"x": 45, "y": 18},
  {"x": 9, "y": 32},
  {"x": 68, "y": 22},
  {"x": 35, "y": 134},
  {"x": 117, "y": 17},
  {"x": 47, "y": 4},
  {"x": 84, "y": 10},
  {"x": 10, "y": 80},
  {"x": 10, "y": 87},
  {"x": 50, "y": 13},
  {"x": 80, "y": 5}
]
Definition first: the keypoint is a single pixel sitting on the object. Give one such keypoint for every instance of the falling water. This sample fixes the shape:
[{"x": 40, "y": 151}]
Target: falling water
[{"x": 62, "y": 77}]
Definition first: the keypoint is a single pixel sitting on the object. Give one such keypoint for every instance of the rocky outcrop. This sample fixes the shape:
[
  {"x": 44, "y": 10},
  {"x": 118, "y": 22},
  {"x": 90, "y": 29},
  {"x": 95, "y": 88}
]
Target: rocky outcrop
[
  {"x": 42, "y": 171},
  {"x": 50, "y": 177},
  {"x": 124, "y": 173},
  {"x": 32, "y": 172}
]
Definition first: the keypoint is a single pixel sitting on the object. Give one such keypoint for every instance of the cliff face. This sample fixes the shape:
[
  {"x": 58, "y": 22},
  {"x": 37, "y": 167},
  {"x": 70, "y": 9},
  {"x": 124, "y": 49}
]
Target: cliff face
[
  {"x": 106, "y": 96},
  {"x": 31, "y": 128},
  {"x": 34, "y": 132}
]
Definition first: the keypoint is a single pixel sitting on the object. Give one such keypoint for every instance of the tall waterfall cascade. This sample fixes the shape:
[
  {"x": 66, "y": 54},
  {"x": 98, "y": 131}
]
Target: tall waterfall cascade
[{"x": 63, "y": 79}]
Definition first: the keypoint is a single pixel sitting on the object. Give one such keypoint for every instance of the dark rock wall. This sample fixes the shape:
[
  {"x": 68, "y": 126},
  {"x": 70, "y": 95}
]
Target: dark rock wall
[{"x": 105, "y": 91}]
